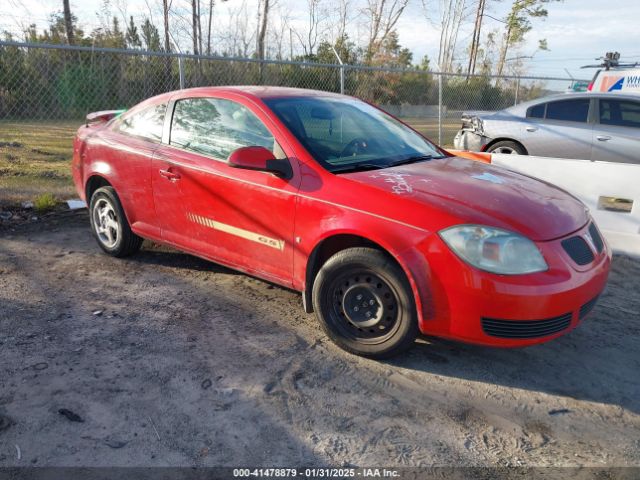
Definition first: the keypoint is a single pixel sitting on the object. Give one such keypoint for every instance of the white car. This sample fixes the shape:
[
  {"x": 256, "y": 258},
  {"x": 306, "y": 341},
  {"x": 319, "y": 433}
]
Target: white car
[{"x": 589, "y": 126}]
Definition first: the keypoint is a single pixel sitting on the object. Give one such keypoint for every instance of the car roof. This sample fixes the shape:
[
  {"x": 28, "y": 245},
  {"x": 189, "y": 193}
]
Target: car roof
[
  {"x": 261, "y": 91},
  {"x": 522, "y": 107},
  {"x": 249, "y": 91},
  {"x": 571, "y": 95}
]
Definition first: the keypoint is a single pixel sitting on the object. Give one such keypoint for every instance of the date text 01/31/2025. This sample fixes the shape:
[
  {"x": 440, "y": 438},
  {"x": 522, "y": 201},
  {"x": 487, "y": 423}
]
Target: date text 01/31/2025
[{"x": 315, "y": 473}]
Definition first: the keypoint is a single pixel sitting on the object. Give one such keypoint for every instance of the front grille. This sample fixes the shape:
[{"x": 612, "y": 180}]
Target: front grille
[
  {"x": 578, "y": 250},
  {"x": 525, "y": 328},
  {"x": 595, "y": 236},
  {"x": 587, "y": 307}
]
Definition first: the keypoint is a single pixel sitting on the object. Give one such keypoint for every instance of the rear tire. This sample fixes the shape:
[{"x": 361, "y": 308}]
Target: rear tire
[
  {"x": 110, "y": 226},
  {"x": 364, "y": 303},
  {"x": 507, "y": 147}
]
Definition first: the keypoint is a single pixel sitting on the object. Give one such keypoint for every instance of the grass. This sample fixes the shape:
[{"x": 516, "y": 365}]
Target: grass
[
  {"x": 45, "y": 202},
  {"x": 429, "y": 128},
  {"x": 35, "y": 159},
  {"x": 35, "y": 156}
]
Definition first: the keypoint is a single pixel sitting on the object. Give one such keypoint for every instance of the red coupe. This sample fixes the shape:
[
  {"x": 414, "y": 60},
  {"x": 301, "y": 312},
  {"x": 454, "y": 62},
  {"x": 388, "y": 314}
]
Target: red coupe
[{"x": 385, "y": 234}]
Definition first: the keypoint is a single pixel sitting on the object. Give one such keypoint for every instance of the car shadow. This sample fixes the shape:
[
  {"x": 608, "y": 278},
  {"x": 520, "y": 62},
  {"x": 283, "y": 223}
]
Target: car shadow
[
  {"x": 598, "y": 361},
  {"x": 160, "y": 255}
]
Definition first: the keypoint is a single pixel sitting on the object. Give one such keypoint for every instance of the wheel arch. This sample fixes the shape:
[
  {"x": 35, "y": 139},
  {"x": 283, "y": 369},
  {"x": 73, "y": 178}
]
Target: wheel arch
[
  {"x": 332, "y": 243},
  {"x": 93, "y": 183},
  {"x": 505, "y": 139}
]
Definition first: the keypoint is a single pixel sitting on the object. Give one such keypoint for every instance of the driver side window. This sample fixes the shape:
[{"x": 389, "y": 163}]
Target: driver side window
[{"x": 216, "y": 127}]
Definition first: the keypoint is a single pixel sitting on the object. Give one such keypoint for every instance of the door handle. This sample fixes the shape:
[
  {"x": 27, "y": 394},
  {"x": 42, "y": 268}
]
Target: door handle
[
  {"x": 169, "y": 175},
  {"x": 532, "y": 129},
  {"x": 603, "y": 138}
]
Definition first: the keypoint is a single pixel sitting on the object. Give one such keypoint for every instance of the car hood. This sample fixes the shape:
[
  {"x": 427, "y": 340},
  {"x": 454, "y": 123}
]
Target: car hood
[{"x": 475, "y": 192}]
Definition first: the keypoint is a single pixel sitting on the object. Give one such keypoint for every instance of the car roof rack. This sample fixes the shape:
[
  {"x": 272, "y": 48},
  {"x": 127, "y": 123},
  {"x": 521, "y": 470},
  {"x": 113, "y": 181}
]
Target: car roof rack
[{"x": 612, "y": 60}]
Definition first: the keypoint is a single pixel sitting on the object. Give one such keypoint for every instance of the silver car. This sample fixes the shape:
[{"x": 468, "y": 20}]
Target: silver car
[{"x": 591, "y": 126}]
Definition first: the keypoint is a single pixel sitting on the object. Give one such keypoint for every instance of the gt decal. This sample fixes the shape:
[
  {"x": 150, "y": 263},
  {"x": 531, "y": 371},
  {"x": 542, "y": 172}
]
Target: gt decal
[{"x": 238, "y": 232}]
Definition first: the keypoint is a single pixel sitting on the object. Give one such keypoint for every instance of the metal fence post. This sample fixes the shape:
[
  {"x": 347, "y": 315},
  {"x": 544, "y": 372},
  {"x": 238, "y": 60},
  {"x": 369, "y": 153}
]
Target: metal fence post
[
  {"x": 439, "y": 107},
  {"x": 515, "y": 102},
  {"x": 341, "y": 69},
  {"x": 180, "y": 72}
]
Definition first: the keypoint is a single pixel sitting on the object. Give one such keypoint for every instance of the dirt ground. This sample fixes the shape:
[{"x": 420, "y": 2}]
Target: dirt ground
[{"x": 169, "y": 360}]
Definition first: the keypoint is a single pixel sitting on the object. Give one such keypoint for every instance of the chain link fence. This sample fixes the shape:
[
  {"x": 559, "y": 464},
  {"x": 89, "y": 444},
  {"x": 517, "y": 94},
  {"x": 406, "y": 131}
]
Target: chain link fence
[
  {"x": 47, "y": 90},
  {"x": 58, "y": 82}
]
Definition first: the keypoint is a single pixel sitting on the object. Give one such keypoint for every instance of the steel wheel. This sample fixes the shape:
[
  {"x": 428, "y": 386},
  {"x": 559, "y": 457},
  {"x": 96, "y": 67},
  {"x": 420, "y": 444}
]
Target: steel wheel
[
  {"x": 106, "y": 223},
  {"x": 364, "y": 303},
  {"x": 365, "y": 307}
]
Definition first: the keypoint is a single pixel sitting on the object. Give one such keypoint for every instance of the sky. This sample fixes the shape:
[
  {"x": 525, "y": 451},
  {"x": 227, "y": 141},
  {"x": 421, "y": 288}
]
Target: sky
[{"x": 577, "y": 31}]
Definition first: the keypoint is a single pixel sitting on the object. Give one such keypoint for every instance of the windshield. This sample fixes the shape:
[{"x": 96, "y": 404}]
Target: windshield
[{"x": 345, "y": 134}]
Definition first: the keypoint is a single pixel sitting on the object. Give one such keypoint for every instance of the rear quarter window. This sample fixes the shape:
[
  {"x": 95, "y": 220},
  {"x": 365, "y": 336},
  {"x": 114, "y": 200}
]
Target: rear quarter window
[
  {"x": 536, "y": 111},
  {"x": 576, "y": 110},
  {"x": 147, "y": 124}
]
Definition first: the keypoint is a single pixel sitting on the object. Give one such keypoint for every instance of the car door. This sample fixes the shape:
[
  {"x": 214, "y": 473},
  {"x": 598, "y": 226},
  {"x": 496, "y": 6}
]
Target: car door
[
  {"x": 564, "y": 132},
  {"x": 242, "y": 218},
  {"x": 616, "y": 134}
]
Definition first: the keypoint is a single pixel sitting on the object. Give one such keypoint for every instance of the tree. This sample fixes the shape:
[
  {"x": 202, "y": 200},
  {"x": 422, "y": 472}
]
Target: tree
[
  {"x": 211, "y": 5},
  {"x": 195, "y": 15},
  {"x": 344, "y": 8},
  {"x": 266, "y": 5},
  {"x": 109, "y": 36},
  {"x": 451, "y": 15},
  {"x": 264, "y": 21},
  {"x": 382, "y": 17},
  {"x": 238, "y": 37},
  {"x": 132, "y": 38},
  {"x": 117, "y": 38},
  {"x": 57, "y": 31},
  {"x": 391, "y": 54},
  {"x": 165, "y": 14},
  {"x": 518, "y": 24},
  {"x": 475, "y": 38},
  {"x": 313, "y": 30},
  {"x": 150, "y": 36},
  {"x": 343, "y": 45},
  {"x": 68, "y": 22}
]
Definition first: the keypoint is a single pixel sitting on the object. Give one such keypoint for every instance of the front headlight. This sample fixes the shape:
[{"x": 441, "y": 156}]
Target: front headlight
[{"x": 494, "y": 250}]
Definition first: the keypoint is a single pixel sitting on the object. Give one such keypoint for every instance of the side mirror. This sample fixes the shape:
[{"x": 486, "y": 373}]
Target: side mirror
[{"x": 260, "y": 159}]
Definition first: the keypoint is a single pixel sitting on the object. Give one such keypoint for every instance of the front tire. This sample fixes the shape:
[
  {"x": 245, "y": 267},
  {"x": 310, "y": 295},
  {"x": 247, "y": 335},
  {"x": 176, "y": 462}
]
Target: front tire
[
  {"x": 109, "y": 224},
  {"x": 364, "y": 303}
]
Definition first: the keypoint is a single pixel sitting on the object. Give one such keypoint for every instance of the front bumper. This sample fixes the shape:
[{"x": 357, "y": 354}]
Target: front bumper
[
  {"x": 474, "y": 306},
  {"x": 469, "y": 140}
]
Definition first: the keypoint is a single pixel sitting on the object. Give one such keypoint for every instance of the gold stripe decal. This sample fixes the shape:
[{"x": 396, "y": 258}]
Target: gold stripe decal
[{"x": 238, "y": 232}]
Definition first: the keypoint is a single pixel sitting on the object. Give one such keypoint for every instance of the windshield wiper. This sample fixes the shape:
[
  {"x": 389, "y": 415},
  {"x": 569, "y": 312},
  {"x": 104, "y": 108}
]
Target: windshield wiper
[
  {"x": 360, "y": 167},
  {"x": 415, "y": 159}
]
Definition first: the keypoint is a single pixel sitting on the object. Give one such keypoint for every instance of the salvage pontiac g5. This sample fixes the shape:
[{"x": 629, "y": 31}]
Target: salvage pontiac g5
[{"x": 385, "y": 234}]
